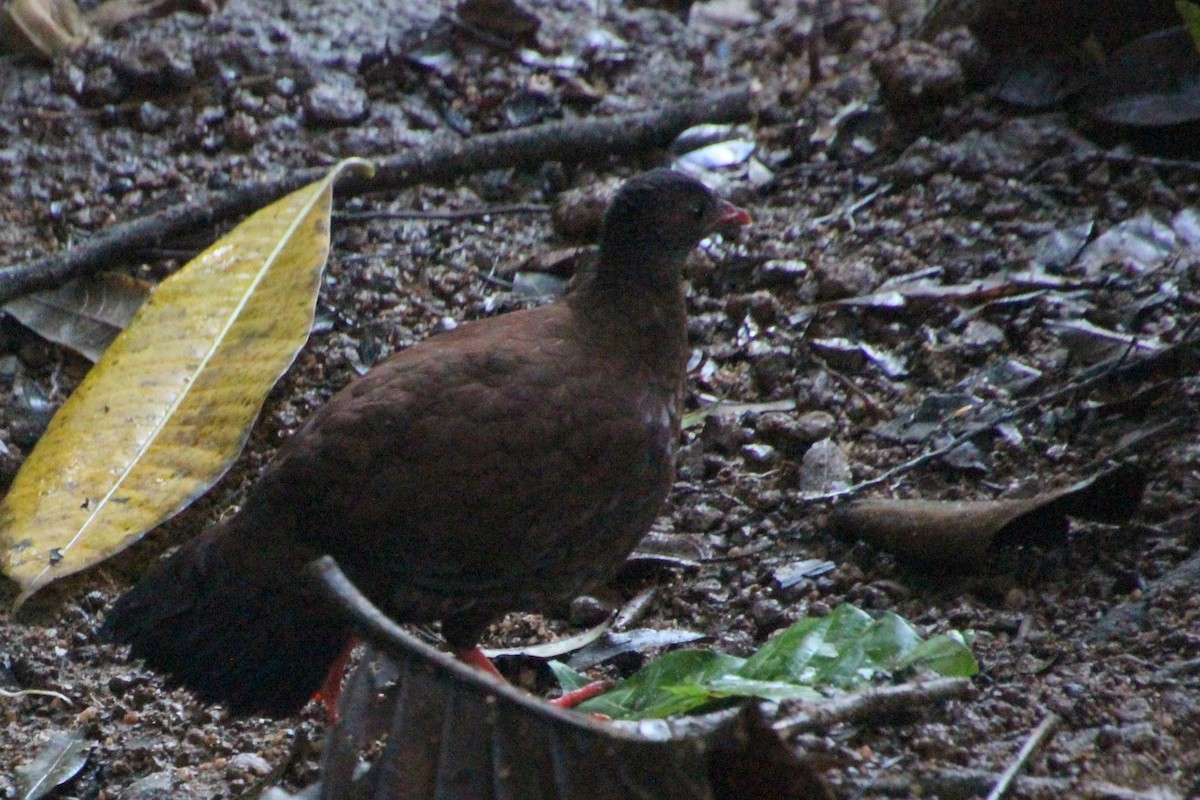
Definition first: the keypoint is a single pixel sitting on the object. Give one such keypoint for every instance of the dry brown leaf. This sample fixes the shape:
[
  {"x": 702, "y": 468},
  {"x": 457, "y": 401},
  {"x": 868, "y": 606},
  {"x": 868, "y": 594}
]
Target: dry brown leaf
[
  {"x": 84, "y": 315},
  {"x": 42, "y": 27},
  {"x": 963, "y": 532}
]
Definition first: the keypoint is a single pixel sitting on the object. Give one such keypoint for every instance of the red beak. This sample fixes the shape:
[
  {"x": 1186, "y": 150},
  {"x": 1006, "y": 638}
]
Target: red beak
[{"x": 729, "y": 214}]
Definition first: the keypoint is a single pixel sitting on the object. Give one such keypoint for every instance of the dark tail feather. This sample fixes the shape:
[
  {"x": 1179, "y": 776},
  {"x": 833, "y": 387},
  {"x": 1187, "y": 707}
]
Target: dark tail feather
[{"x": 234, "y": 620}]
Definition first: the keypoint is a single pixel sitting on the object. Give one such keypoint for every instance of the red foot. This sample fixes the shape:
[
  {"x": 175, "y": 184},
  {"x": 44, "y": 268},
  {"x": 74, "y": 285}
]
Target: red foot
[
  {"x": 475, "y": 657},
  {"x": 331, "y": 689},
  {"x": 576, "y": 696}
]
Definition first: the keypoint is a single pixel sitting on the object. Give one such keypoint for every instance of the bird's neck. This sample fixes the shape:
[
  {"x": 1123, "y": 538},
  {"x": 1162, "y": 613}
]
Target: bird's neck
[{"x": 635, "y": 315}]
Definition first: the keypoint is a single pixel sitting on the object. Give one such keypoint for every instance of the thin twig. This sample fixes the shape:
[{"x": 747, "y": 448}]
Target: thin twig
[
  {"x": 1035, "y": 740},
  {"x": 870, "y": 402},
  {"x": 816, "y": 38},
  {"x": 37, "y": 693},
  {"x": 571, "y": 141},
  {"x": 848, "y": 211},
  {"x": 874, "y": 704},
  {"x": 464, "y": 213}
]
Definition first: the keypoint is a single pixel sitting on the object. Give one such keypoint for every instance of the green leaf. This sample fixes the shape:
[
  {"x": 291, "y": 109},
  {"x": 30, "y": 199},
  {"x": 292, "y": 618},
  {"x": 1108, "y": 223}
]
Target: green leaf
[
  {"x": 675, "y": 683},
  {"x": 846, "y": 650},
  {"x": 888, "y": 637},
  {"x": 59, "y": 760},
  {"x": 1191, "y": 18},
  {"x": 568, "y": 679},
  {"x": 947, "y": 654}
]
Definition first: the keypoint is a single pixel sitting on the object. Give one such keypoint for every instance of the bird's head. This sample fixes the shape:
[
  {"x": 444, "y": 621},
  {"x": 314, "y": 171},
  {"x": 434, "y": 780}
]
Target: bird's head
[{"x": 654, "y": 221}]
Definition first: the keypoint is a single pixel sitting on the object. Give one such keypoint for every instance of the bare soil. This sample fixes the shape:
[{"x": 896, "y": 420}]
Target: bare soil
[{"x": 864, "y": 187}]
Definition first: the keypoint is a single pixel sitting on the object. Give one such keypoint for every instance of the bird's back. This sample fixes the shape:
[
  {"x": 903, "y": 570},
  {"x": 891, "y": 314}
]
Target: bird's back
[{"x": 493, "y": 466}]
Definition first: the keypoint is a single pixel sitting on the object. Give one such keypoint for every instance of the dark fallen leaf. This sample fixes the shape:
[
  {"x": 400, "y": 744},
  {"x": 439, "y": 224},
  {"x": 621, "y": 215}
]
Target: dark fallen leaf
[
  {"x": 1135, "y": 406},
  {"x": 1152, "y": 82},
  {"x": 962, "y": 532},
  {"x": 1050, "y": 25},
  {"x": 1092, "y": 344},
  {"x": 967, "y": 457},
  {"x": 59, "y": 760},
  {"x": 504, "y": 19},
  {"x": 84, "y": 315},
  {"x": 454, "y": 732},
  {"x": 1006, "y": 379},
  {"x": 1129, "y": 619},
  {"x": 1039, "y": 81}
]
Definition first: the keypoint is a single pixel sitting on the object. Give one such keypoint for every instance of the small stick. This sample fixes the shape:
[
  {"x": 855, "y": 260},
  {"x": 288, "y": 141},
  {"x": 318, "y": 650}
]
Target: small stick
[
  {"x": 874, "y": 704},
  {"x": 815, "y": 40},
  {"x": 1035, "y": 740},
  {"x": 972, "y": 783},
  {"x": 635, "y": 609},
  {"x": 449, "y": 214},
  {"x": 571, "y": 141},
  {"x": 848, "y": 211},
  {"x": 37, "y": 693}
]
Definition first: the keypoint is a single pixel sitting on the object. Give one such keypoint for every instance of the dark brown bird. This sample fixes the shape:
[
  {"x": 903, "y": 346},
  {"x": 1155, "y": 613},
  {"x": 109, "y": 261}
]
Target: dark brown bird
[{"x": 507, "y": 463}]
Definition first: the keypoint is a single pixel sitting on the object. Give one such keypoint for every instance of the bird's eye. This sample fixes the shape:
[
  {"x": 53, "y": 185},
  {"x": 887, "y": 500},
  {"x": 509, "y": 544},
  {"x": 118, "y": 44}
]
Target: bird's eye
[{"x": 697, "y": 210}]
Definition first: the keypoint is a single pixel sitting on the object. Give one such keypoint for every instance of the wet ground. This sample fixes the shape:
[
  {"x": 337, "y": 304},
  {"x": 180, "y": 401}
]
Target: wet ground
[{"x": 851, "y": 188}]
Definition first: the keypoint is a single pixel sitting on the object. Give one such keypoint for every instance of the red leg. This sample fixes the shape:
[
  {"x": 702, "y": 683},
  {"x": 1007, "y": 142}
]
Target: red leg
[
  {"x": 576, "y": 696},
  {"x": 475, "y": 657},
  {"x": 331, "y": 689}
]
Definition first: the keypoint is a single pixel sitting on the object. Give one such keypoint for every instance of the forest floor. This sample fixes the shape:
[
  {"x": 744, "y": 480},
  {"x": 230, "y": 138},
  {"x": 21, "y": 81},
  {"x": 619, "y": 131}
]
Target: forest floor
[{"x": 851, "y": 187}]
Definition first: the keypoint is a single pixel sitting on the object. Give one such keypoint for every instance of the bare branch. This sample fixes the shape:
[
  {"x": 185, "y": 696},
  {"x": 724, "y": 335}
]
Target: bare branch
[{"x": 572, "y": 141}]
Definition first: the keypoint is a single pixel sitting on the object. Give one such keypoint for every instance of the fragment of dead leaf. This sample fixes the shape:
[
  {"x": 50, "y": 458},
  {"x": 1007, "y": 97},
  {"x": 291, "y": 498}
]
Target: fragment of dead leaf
[{"x": 962, "y": 532}]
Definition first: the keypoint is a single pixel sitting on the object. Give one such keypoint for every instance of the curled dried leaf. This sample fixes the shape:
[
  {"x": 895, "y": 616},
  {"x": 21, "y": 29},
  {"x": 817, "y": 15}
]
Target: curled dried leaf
[{"x": 962, "y": 532}]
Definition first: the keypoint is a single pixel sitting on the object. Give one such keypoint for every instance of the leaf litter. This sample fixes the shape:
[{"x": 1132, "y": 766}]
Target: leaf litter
[{"x": 969, "y": 199}]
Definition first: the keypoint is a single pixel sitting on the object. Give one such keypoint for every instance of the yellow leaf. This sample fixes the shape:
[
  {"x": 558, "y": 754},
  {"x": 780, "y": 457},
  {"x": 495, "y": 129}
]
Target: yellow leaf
[{"x": 169, "y": 405}]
